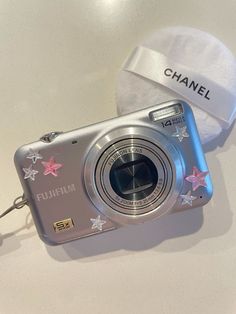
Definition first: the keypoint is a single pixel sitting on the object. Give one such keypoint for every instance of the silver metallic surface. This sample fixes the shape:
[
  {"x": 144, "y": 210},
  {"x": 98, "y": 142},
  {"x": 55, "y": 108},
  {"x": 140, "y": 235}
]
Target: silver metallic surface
[
  {"x": 80, "y": 189},
  {"x": 49, "y": 137}
]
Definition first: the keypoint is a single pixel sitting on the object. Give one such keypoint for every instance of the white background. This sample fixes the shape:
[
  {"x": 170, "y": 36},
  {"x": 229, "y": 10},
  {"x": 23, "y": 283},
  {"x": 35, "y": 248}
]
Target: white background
[{"x": 58, "y": 67}]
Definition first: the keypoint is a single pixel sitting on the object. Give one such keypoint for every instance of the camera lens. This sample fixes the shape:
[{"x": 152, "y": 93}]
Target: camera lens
[
  {"x": 130, "y": 174},
  {"x": 133, "y": 176}
]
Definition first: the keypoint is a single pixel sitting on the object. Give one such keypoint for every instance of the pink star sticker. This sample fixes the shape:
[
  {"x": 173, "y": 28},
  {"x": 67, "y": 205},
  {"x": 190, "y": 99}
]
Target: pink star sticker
[
  {"x": 197, "y": 178},
  {"x": 51, "y": 167}
]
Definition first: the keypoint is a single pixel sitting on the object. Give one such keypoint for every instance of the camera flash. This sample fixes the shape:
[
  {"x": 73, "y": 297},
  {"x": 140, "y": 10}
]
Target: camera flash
[{"x": 164, "y": 113}]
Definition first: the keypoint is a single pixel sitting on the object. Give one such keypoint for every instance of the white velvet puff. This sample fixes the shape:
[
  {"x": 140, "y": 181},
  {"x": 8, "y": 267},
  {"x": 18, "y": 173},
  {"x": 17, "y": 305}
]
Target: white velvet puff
[{"x": 199, "y": 51}]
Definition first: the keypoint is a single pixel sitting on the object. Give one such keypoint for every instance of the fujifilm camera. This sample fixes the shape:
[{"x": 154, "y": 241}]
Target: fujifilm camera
[{"x": 126, "y": 170}]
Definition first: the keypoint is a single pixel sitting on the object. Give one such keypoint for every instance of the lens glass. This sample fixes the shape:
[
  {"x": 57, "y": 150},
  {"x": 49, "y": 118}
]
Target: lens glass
[{"x": 133, "y": 176}]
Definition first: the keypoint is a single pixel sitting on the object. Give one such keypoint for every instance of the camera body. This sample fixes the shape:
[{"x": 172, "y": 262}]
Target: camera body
[{"x": 126, "y": 170}]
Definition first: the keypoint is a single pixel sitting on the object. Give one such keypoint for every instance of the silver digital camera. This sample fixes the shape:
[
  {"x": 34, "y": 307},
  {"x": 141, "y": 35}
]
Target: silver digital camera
[{"x": 126, "y": 170}]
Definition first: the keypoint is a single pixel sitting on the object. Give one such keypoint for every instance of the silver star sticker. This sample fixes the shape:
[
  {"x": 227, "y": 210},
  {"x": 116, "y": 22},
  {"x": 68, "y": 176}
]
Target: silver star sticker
[
  {"x": 97, "y": 223},
  {"x": 34, "y": 156},
  {"x": 188, "y": 198},
  {"x": 181, "y": 133},
  {"x": 30, "y": 173}
]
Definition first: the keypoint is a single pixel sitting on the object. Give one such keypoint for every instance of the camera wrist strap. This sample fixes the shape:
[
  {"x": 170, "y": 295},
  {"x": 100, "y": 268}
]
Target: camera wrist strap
[{"x": 18, "y": 203}]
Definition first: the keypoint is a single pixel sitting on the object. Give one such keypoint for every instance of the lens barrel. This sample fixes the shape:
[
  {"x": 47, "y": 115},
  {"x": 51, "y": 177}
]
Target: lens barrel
[{"x": 133, "y": 176}]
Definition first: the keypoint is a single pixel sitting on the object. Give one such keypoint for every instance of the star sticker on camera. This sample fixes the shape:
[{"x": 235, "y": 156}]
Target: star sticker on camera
[
  {"x": 180, "y": 133},
  {"x": 30, "y": 173},
  {"x": 188, "y": 198},
  {"x": 51, "y": 167},
  {"x": 97, "y": 223},
  {"x": 34, "y": 156},
  {"x": 197, "y": 178}
]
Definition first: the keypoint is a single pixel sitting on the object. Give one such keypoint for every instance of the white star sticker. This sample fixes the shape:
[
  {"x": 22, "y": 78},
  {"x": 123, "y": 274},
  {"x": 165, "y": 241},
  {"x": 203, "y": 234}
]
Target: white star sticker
[
  {"x": 34, "y": 156},
  {"x": 188, "y": 198},
  {"x": 97, "y": 223},
  {"x": 180, "y": 133},
  {"x": 30, "y": 173}
]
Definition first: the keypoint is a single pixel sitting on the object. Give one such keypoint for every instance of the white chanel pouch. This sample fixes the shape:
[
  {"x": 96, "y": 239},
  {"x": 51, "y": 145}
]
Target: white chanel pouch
[{"x": 182, "y": 63}]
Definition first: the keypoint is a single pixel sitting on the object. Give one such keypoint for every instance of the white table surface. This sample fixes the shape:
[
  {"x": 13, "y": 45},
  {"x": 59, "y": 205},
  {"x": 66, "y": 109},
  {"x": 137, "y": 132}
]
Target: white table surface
[{"x": 58, "y": 67}]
